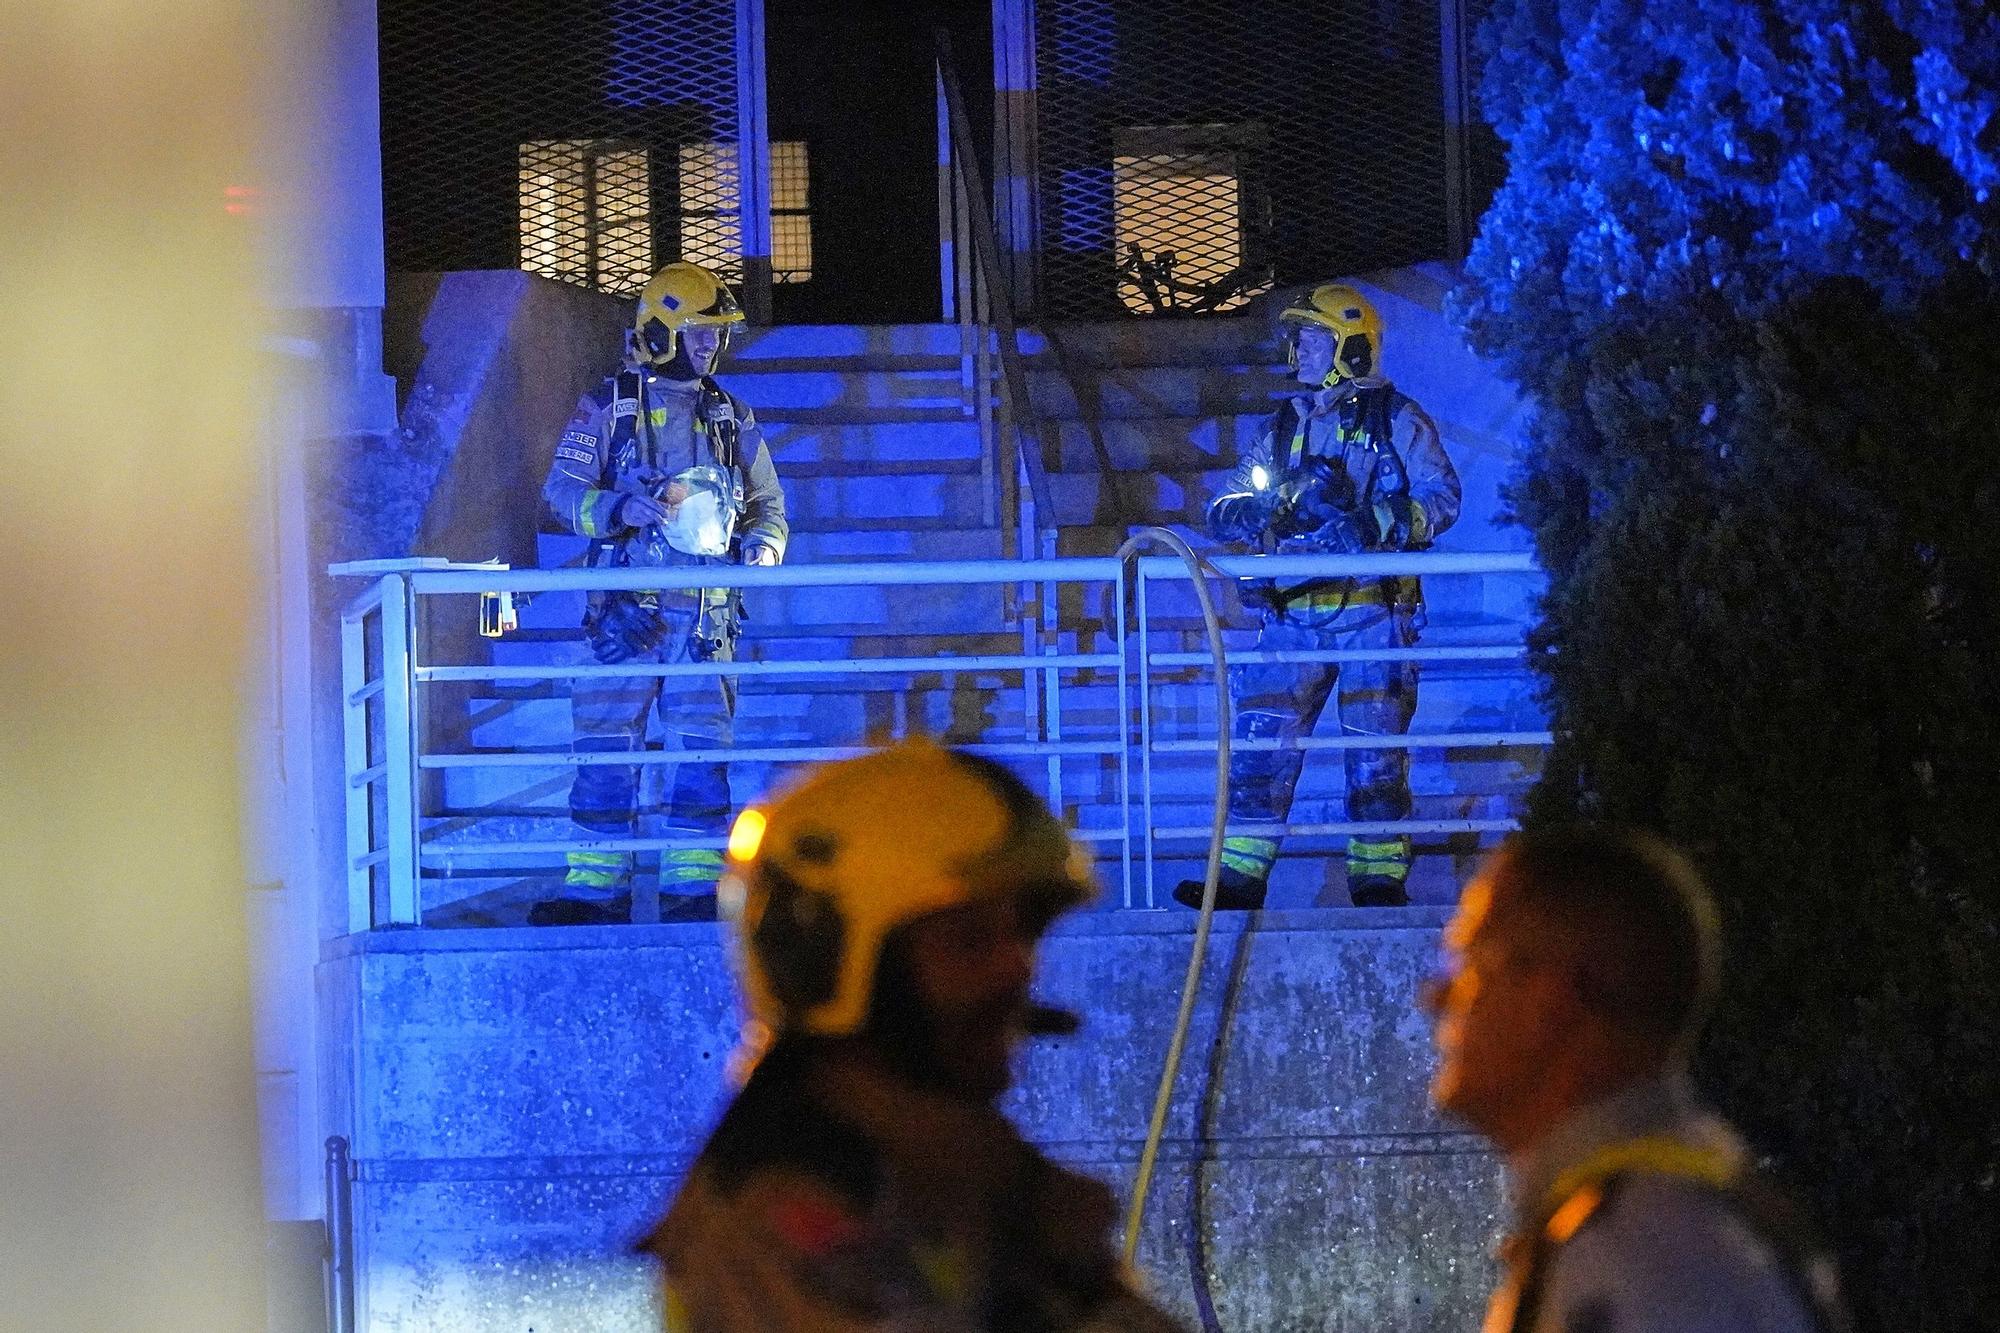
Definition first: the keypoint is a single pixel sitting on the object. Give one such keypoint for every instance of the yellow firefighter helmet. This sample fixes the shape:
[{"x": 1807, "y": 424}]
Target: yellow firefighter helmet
[
  {"x": 679, "y": 296},
  {"x": 1347, "y": 314},
  {"x": 820, "y": 876}
]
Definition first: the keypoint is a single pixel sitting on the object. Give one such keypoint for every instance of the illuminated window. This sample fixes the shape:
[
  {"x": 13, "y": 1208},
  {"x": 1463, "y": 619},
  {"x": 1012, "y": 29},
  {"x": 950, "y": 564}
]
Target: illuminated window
[
  {"x": 710, "y": 214},
  {"x": 1178, "y": 202},
  {"x": 586, "y": 212},
  {"x": 791, "y": 214},
  {"x": 711, "y": 232}
]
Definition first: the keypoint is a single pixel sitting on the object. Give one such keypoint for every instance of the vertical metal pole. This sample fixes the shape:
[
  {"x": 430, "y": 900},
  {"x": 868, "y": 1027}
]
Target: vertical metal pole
[
  {"x": 1031, "y": 646},
  {"x": 996, "y": 425},
  {"x": 993, "y": 473},
  {"x": 339, "y": 1237},
  {"x": 1052, "y": 695},
  {"x": 1455, "y": 57},
  {"x": 969, "y": 326},
  {"x": 753, "y": 161},
  {"x": 1015, "y": 205},
  {"x": 1145, "y": 726},
  {"x": 1124, "y": 741},
  {"x": 399, "y": 736},
  {"x": 592, "y": 241},
  {"x": 354, "y": 730},
  {"x": 947, "y": 216}
]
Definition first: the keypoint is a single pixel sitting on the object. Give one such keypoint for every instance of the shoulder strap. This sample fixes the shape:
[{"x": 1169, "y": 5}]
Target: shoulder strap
[
  {"x": 1581, "y": 1193},
  {"x": 625, "y": 386},
  {"x": 724, "y": 439},
  {"x": 1286, "y": 446}
]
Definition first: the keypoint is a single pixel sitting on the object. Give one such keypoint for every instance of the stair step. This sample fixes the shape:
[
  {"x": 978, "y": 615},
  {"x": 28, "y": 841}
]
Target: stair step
[
  {"x": 863, "y": 443},
  {"x": 1115, "y": 392},
  {"x": 882, "y": 346},
  {"x": 906, "y": 544},
  {"x": 861, "y": 415},
  {"x": 1143, "y": 444},
  {"x": 860, "y": 471},
  {"x": 1249, "y": 339},
  {"x": 1183, "y": 444},
  {"x": 823, "y": 502},
  {"x": 781, "y": 393}
]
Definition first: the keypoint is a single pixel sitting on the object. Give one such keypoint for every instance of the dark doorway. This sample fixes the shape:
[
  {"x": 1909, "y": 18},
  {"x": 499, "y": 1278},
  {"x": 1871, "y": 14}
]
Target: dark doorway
[{"x": 855, "y": 85}]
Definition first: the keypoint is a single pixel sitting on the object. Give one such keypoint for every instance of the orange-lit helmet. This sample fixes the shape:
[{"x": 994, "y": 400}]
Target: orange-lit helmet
[{"x": 820, "y": 876}]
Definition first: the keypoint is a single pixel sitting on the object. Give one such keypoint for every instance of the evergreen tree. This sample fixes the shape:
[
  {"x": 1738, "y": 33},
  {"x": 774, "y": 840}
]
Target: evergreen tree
[{"x": 1744, "y": 263}]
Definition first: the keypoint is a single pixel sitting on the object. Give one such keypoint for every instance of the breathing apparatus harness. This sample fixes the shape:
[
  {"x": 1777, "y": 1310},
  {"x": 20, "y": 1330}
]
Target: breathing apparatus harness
[
  {"x": 634, "y": 616},
  {"x": 1315, "y": 499}
]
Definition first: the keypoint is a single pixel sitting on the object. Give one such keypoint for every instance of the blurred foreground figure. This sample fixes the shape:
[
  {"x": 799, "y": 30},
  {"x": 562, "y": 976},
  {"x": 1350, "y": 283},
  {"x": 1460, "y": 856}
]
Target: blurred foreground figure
[
  {"x": 887, "y": 912},
  {"x": 1582, "y": 966}
]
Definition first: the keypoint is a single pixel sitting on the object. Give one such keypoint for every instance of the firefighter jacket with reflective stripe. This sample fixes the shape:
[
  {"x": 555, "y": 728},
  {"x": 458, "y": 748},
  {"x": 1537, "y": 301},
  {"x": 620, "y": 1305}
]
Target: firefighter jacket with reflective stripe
[
  {"x": 1387, "y": 462},
  {"x": 635, "y": 430}
]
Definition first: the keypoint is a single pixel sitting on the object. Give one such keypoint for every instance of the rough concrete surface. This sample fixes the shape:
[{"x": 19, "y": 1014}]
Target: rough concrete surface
[{"x": 521, "y": 1104}]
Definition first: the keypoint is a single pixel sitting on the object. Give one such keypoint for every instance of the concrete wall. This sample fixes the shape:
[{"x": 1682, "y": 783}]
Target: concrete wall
[{"x": 522, "y": 1103}]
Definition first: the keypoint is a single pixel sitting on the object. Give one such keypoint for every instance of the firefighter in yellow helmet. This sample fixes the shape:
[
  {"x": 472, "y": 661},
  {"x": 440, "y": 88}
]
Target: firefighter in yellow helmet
[
  {"x": 886, "y": 914},
  {"x": 1348, "y": 466},
  {"x": 660, "y": 467}
]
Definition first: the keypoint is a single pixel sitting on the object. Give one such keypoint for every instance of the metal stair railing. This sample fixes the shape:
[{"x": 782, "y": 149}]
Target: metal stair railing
[
  {"x": 991, "y": 303},
  {"x": 386, "y": 671}
]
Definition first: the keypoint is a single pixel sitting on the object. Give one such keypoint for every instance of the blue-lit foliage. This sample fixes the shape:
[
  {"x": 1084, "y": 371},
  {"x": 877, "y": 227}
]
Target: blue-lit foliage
[
  {"x": 1744, "y": 261},
  {"x": 1743, "y": 148}
]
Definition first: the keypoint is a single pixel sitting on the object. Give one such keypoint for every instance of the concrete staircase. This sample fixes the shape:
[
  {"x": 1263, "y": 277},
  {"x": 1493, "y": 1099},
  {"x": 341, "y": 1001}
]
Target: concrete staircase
[{"x": 875, "y": 440}]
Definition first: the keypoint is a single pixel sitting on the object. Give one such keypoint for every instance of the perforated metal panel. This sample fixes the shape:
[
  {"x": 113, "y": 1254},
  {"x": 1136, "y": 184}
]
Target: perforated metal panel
[
  {"x": 588, "y": 141},
  {"x": 1192, "y": 153}
]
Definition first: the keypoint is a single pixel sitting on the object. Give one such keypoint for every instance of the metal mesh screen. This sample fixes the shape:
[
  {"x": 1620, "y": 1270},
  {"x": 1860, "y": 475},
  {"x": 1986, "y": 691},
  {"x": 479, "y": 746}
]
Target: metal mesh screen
[
  {"x": 588, "y": 140},
  {"x": 1195, "y": 152}
]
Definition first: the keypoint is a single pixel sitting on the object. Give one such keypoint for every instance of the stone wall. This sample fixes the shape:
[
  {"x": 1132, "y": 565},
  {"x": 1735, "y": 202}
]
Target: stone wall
[{"x": 522, "y": 1103}]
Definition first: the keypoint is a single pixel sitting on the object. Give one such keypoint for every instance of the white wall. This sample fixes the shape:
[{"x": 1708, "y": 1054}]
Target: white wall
[{"x": 128, "y": 1153}]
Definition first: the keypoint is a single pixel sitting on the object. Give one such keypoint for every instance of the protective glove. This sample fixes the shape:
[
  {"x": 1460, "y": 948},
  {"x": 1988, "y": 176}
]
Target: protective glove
[
  {"x": 1339, "y": 535},
  {"x": 624, "y": 629},
  {"x": 1315, "y": 495}
]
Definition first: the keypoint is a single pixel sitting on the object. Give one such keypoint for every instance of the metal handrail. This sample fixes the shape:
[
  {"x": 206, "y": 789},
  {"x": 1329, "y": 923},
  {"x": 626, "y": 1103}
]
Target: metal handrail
[
  {"x": 1030, "y": 438},
  {"x": 386, "y": 760},
  {"x": 921, "y": 573}
]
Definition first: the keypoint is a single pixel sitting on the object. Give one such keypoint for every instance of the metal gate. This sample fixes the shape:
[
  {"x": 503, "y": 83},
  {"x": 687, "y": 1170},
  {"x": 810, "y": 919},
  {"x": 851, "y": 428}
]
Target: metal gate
[
  {"x": 587, "y": 140},
  {"x": 1192, "y": 153}
]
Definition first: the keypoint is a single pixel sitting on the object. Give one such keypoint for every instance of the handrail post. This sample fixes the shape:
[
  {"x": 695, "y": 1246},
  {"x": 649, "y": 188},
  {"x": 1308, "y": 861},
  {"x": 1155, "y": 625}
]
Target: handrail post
[
  {"x": 1145, "y": 722},
  {"x": 753, "y": 162},
  {"x": 1124, "y": 716},
  {"x": 339, "y": 1185},
  {"x": 399, "y": 735},
  {"x": 354, "y": 733}
]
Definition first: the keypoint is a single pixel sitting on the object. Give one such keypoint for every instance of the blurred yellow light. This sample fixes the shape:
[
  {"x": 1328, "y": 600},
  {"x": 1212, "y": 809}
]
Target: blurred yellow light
[{"x": 747, "y": 835}]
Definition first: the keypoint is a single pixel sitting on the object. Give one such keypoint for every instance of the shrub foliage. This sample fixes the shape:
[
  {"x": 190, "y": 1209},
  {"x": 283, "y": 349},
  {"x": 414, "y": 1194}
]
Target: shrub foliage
[{"x": 1744, "y": 264}]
